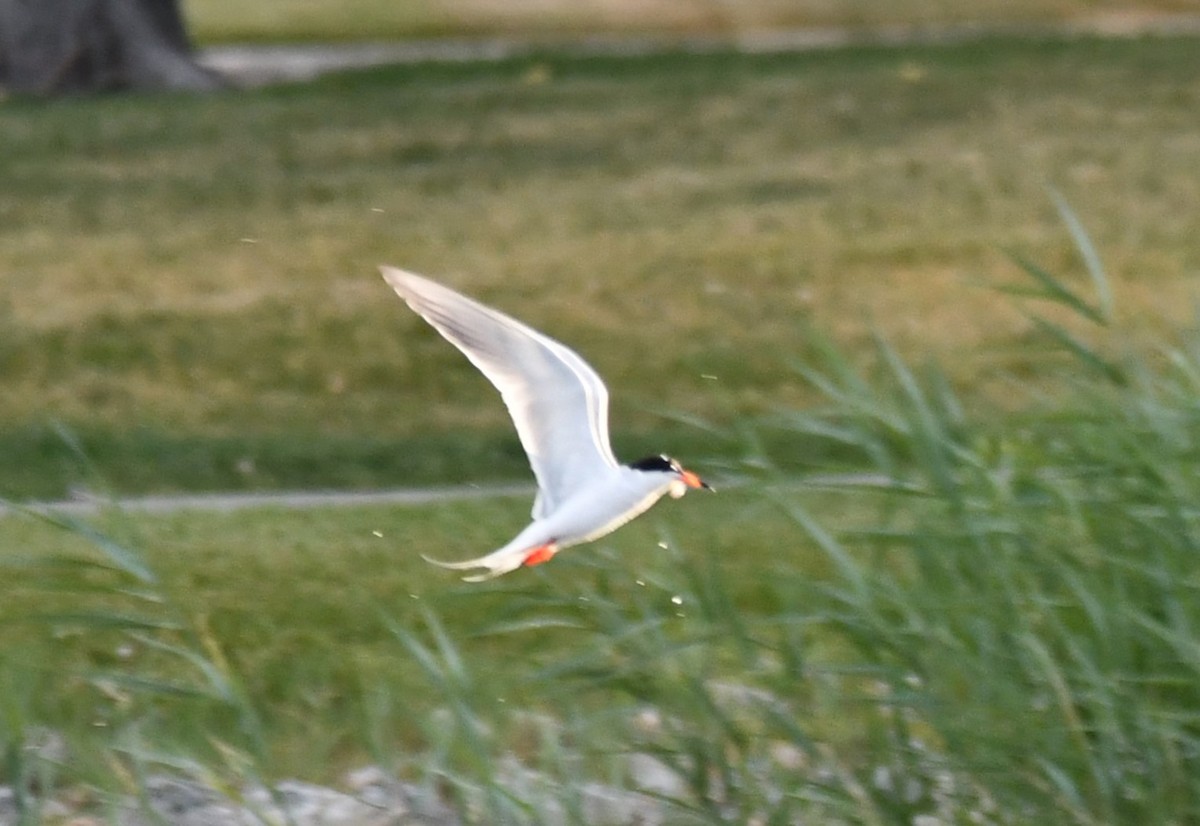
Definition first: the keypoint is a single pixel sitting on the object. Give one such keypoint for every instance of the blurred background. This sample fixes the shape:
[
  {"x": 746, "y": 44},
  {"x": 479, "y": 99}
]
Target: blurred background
[{"x": 913, "y": 282}]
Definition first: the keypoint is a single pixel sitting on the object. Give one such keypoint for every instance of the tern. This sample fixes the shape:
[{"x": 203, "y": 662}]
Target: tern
[{"x": 560, "y": 408}]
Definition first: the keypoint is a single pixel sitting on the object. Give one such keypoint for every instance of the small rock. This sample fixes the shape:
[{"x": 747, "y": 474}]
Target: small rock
[
  {"x": 655, "y": 777},
  {"x": 180, "y": 803},
  {"x": 379, "y": 789},
  {"x": 620, "y": 807},
  {"x": 8, "y": 806},
  {"x": 47, "y": 745},
  {"x": 788, "y": 756},
  {"x": 304, "y": 804},
  {"x": 599, "y": 804},
  {"x": 357, "y": 780}
]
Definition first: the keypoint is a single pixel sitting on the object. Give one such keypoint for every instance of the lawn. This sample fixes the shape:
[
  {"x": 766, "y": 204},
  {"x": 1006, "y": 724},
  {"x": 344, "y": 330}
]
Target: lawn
[
  {"x": 781, "y": 264},
  {"x": 191, "y": 283},
  {"x": 298, "y": 603}
]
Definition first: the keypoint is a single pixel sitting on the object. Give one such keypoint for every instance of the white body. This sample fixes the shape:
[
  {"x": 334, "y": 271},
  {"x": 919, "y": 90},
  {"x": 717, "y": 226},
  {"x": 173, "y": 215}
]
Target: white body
[
  {"x": 560, "y": 408},
  {"x": 600, "y": 509}
]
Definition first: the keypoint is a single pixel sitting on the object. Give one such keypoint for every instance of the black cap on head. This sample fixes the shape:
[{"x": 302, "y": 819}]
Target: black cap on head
[{"x": 662, "y": 463}]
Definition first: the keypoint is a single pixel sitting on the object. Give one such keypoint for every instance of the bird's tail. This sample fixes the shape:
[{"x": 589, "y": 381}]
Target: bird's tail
[{"x": 498, "y": 563}]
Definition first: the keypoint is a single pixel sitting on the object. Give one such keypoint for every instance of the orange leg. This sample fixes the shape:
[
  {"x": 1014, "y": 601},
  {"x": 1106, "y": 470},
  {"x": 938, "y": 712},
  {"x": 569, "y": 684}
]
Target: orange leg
[{"x": 540, "y": 554}]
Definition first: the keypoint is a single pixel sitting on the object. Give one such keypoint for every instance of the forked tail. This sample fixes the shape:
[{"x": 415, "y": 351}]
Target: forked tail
[{"x": 499, "y": 562}]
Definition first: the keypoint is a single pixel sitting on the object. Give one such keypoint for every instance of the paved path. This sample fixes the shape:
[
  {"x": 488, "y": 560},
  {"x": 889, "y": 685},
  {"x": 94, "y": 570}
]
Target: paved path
[
  {"x": 227, "y": 502},
  {"x": 298, "y": 500},
  {"x": 257, "y": 65}
]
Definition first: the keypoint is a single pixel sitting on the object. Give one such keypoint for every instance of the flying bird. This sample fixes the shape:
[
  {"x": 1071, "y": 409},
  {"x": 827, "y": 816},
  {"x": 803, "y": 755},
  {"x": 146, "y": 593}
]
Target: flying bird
[{"x": 560, "y": 408}]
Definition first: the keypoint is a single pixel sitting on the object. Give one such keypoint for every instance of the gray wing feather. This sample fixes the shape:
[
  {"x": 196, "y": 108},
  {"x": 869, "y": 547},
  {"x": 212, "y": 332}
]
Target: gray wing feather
[{"x": 557, "y": 402}]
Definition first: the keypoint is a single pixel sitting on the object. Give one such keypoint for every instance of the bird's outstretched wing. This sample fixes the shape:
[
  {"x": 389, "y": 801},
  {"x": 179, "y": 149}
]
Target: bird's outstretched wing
[{"x": 557, "y": 402}]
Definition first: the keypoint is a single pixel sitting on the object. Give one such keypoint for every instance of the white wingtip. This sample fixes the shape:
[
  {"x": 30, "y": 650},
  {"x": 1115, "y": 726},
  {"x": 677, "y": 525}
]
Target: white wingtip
[{"x": 397, "y": 277}]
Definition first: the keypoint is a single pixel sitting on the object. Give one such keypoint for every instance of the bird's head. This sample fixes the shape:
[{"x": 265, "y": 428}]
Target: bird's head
[{"x": 681, "y": 479}]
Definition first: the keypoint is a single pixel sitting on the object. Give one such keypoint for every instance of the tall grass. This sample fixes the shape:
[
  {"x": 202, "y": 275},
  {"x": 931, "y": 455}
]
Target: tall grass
[
  {"x": 1033, "y": 602},
  {"x": 118, "y": 712},
  {"x": 1005, "y": 633},
  {"x": 1012, "y": 639}
]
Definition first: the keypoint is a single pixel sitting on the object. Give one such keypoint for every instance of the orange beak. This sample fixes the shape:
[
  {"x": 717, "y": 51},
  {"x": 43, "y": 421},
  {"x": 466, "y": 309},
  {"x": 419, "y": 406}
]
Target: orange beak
[{"x": 693, "y": 481}]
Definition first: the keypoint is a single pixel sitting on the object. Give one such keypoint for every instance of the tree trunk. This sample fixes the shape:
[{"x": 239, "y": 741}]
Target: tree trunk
[{"x": 57, "y": 46}]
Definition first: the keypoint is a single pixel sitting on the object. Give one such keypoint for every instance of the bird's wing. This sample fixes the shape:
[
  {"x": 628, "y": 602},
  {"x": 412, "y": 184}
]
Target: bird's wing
[{"x": 557, "y": 402}]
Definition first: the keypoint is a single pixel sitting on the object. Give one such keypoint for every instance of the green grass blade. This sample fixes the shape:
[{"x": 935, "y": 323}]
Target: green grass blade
[
  {"x": 1091, "y": 258},
  {"x": 850, "y": 569},
  {"x": 1087, "y": 355},
  {"x": 96, "y": 620},
  {"x": 219, "y": 681},
  {"x": 151, "y": 685},
  {"x": 125, "y": 559},
  {"x": 1055, "y": 289}
]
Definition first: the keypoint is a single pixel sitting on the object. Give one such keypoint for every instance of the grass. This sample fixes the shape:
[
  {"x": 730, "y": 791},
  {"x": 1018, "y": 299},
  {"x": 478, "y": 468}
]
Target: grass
[
  {"x": 995, "y": 625},
  {"x": 190, "y": 283},
  {"x": 291, "y": 20},
  {"x": 998, "y": 627},
  {"x": 330, "y": 580}
]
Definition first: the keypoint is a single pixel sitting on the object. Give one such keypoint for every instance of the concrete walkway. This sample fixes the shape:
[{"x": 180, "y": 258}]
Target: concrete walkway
[
  {"x": 228, "y": 502},
  {"x": 289, "y": 500},
  {"x": 256, "y": 65}
]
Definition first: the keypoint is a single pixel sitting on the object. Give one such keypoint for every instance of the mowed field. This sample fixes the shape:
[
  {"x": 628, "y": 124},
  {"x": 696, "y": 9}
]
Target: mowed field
[
  {"x": 782, "y": 264},
  {"x": 191, "y": 284}
]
